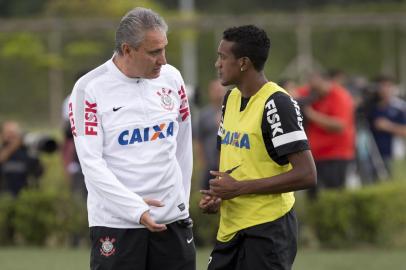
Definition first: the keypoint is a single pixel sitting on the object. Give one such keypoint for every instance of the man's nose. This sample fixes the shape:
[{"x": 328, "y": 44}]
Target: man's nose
[
  {"x": 217, "y": 64},
  {"x": 162, "y": 59}
]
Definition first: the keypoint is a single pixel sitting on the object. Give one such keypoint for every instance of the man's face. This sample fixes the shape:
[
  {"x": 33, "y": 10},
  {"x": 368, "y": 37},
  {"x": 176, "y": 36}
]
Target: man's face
[
  {"x": 227, "y": 65},
  {"x": 146, "y": 60},
  {"x": 386, "y": 90},
  {"x": 318, "y": 84},
  {"x": 10, "y": 132}
]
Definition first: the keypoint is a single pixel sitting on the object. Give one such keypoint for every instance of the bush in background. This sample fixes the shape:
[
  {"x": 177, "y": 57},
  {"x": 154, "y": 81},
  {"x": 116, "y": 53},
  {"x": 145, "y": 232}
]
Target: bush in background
[
  {"x": 38, "y": 217},
  {"x": 6, "y": 214},
  {"x": 35, "y": 216},
  {"x": 371, "y": 216},
  {"x": 374, "y": 215}
]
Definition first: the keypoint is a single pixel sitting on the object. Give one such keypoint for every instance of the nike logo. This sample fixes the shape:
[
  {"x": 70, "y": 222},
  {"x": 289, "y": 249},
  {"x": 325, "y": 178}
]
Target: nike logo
[
  {"x": 233, "y": 169},
  {"x": 189, "y": 240},
  {"x": 117, "y": 108}
]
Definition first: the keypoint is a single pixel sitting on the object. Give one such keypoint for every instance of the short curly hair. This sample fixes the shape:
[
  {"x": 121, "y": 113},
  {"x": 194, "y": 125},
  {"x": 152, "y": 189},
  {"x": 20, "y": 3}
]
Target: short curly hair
[{"x": 250, "y": 41}]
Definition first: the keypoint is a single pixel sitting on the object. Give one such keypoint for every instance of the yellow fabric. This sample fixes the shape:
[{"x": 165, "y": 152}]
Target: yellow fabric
[{"x": 243, "y": 145}]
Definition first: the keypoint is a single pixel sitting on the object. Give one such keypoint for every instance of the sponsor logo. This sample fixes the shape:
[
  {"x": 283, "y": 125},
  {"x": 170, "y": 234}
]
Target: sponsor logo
[
  {"x": 153, "y": 133},
  {"x": 273, "y": 118},
  {"x": 107, "y": 246},
  {"x": 189, "y": 240},
  {"x": 90, "y": 118},
  {"x": 181, "y": 207},
  {"x": 166, "y": 101},
  {"x": 117, "y": 108},
  {"x": 210, "y": 259},
  {"x": 184, "y": 105},
  {"x": 72, "y": 119},
  {"x": 298, "y": 114},
  {"x": 221, "y": 131},
  {"x": 237, "y": 139}
]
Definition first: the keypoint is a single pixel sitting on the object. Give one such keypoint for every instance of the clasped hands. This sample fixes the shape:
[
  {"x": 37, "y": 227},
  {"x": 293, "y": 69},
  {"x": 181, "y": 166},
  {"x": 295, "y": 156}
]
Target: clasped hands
[
  {"x": 147, "y": 220},
  {"x": 222, "y": 187}
]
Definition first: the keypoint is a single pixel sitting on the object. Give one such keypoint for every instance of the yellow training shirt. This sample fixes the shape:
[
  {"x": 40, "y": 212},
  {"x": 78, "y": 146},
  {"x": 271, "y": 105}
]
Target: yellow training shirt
[{"x": 242, "y": 144}]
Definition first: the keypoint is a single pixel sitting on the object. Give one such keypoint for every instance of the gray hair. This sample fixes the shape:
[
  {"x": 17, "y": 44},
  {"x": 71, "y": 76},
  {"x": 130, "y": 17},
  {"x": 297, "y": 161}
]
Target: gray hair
[{"x": 133, "y": 26}]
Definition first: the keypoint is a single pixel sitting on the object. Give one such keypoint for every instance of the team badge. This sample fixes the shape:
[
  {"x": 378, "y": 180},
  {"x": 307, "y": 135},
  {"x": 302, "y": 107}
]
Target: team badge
[
  {"x": 166, "y": 100},
  {"x": 107, "y": 246}
]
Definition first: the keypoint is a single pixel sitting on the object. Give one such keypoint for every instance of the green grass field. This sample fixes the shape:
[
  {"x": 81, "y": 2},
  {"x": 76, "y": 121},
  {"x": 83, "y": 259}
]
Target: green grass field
[{"x": 68, "y": 259}]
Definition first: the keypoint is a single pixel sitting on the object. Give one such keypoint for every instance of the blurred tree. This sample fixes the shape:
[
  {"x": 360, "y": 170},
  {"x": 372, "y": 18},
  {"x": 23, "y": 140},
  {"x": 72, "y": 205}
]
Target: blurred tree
[
  {"x": 27, "y": 48},
  {"x": 21, "y": 8},
  {"x": 240, "y": 7},
  {"x": 72, "y": 8},
  {"x": 97, "y": 8},
  {"x": 24, "y": 60},
  {"x": 24, "y": 8}
]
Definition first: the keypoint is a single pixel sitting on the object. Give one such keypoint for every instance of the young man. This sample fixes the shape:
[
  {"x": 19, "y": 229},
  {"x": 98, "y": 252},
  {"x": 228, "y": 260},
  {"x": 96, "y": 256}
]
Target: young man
[
  {"x": 387, "y": 118},
  {"x": 264, "y": 156},
  {"x": 132, "y": 130}
]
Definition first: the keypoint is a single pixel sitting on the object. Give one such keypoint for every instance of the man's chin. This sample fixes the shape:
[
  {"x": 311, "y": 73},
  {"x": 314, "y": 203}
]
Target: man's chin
[
  {"x": 155, "y": 74},
  {"x": 224, "y": 82}
]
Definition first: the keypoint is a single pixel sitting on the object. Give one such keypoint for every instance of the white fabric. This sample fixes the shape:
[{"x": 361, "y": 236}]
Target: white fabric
[
  {"x": 134, "y": 142},
  {"x": 289, "y": 137}
]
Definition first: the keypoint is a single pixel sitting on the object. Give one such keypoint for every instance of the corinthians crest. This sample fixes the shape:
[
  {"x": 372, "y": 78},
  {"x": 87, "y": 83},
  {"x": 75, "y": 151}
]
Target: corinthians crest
[
  {"x": 166, "y": 100},
  {"x": 107, "y": 246}
]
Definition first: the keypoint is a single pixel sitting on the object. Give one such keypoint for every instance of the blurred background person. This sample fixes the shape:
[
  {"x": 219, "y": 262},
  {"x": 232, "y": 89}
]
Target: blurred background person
[
  {"x": 387, "y": 118},
  {"x": 290, "y": 86},
  {"x": 329, "y": 112},
  {"x": 207, "y": 126},
  {"x": 18, "y": 168},
  {"x": 367, "y": 158},
  {"x": 337, "y": 76}
]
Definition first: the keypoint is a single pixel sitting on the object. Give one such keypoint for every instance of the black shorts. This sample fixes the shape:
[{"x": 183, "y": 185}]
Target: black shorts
[
  {"x": 140, "y": 249},
  {"x": 332, "y": 173},
  {"x": 271, "y": 245}
]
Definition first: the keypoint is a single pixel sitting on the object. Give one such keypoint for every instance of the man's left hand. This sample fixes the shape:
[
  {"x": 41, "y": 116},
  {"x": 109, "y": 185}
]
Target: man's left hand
[{"x": 224, "y": 186}]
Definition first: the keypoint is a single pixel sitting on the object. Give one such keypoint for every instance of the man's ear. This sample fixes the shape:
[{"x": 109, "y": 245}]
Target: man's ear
[
  {"x": 245, "y": 63},
  {"x": 126, "y": 49}
]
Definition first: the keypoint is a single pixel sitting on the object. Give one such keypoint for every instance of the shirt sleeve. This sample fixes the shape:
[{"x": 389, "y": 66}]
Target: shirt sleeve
[
  {"x": 282, "y": 125},
  {"x": 87, "y": 130},
  {"x": 184, "y": 152}
]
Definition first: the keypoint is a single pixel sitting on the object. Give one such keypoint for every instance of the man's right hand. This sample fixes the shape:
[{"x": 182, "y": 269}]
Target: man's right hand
[
  {"x": 146, "y": 219},
  {"x": 208, "y": 203},
  {"x": 10, "y": 147}
]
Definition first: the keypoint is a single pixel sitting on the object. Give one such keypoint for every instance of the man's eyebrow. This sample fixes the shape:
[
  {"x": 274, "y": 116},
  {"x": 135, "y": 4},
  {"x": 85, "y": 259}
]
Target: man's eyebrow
[{"x": 155, "y": 50}]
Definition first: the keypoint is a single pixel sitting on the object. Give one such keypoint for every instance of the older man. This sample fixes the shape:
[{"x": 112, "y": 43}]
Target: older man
[{"x": 131, "y": 124}]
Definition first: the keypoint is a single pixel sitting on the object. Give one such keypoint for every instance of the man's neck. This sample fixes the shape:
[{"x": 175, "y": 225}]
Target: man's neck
[
  {"x": 120, "y": 63},
  {"x": 252, "y": 83}
]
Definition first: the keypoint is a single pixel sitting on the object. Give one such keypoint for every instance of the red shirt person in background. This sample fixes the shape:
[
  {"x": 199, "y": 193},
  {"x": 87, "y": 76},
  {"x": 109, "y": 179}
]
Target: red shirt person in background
[{"x": 329, "y": 123}]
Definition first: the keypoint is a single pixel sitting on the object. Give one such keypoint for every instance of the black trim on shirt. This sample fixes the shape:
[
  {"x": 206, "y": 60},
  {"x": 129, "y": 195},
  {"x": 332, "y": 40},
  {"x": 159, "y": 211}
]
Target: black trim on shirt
[
  {"x": 282, "y": 116},
  {"x": 223, "y": 111},
  {"x": 244, "y": 103}
]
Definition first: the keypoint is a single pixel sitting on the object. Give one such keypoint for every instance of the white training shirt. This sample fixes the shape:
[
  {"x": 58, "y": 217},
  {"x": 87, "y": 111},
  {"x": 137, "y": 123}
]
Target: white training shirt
[{"x": 134, "y": 142}]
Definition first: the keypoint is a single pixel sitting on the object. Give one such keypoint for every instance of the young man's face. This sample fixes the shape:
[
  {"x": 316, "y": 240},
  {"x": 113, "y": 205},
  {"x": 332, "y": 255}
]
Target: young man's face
[
  {"x": 386, "y": 90},
  {"x": 228, "y": 67},
  {"x": 147, "y": 59}
]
